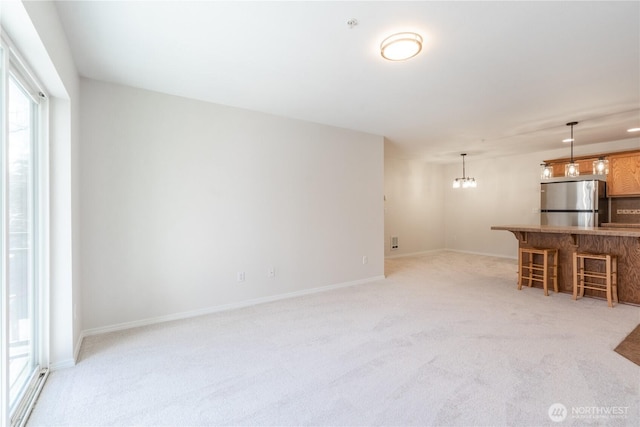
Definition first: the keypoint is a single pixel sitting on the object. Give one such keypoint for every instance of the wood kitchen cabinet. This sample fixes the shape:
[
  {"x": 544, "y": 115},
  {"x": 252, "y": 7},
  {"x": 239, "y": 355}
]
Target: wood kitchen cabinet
[
  {"x": 624, "y": 174},
  {"x": 624, "y": 171}
]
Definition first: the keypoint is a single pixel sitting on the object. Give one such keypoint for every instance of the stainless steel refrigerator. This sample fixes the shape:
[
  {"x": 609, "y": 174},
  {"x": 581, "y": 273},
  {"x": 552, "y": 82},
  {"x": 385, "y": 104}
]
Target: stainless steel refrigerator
[{"x": 579, "y": 203}]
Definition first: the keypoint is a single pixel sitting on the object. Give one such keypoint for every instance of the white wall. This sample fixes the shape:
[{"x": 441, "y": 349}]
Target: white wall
[
  {"x": 35, "y": 29},
  {"x": 414, "y": 206},
  {"x": 179, "y": 195},
  {"x": 508, "y": 192}
]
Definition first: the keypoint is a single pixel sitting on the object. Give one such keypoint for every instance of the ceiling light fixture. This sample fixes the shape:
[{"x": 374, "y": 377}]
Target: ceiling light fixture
[
  {"x": 546, "y": 171},
  {"x": 633, "y": 130},
  {"x": 572, "y": 169},
  {"x": 464, "y": 182},
  {"x": 401, "y": 46},
  {"x": 601, "y": 166}
]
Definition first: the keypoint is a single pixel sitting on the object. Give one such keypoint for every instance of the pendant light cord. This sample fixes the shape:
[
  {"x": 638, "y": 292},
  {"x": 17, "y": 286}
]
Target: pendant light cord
[
  {"x": 464, "y": 175},
  {"x": 572, "y": 124},
  {"x": 571, "y": 143}
]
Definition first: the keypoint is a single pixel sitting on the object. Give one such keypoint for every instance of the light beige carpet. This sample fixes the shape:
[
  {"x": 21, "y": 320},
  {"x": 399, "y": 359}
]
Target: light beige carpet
[{"x": 446, "y": 339}]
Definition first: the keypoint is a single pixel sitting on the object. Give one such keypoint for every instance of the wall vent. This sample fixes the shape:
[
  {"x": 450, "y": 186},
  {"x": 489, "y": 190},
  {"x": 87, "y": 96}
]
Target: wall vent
[{"x": 394, "y": 243}]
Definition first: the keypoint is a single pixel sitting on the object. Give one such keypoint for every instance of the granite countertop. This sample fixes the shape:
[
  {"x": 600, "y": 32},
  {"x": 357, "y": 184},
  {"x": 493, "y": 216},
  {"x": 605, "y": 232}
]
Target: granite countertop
[
  {"x": 597, "y": 231},
  {"x": 620, "y": 225}
]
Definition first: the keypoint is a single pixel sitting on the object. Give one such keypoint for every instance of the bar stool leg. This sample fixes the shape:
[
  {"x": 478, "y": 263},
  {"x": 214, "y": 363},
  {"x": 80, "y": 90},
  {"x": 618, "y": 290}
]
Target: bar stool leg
[
  {"x": 575, "y": 276},
  {"x": 520, "y": 264},
  {"x": 555, "y": 271},
  {"x": 614, "y": 278},
  {"x": 581, "y": 268},
  {"x": 608, "y": 272},
  {"x": 545, "y": 273}
]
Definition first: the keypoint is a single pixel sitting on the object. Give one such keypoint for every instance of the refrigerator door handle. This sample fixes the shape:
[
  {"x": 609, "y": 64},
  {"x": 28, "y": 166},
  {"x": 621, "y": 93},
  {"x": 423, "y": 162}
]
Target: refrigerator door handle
[{"x": 568, "y": 210}]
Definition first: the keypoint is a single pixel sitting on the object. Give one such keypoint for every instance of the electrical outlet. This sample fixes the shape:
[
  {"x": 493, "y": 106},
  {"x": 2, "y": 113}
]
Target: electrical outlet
[
  {"x": 628, "y": 211},
  {"x": 240, "y": 276},
  {"x": 365, "y": 259}
]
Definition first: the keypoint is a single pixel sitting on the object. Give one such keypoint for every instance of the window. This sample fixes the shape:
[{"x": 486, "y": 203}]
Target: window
[{"x": 24, "y": 236}]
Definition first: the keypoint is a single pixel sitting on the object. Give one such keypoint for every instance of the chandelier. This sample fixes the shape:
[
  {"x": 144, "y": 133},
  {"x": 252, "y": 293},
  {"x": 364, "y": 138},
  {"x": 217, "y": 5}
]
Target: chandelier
[{"x": 465, "y": 181}]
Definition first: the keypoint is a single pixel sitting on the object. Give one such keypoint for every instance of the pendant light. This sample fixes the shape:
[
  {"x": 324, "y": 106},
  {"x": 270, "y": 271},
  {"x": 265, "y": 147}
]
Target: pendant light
[
  {"x": 546, "y": 171},
  {"x": 572, "y": 169},
  {"x": 464, "y": 182},
  {"x": 601, "y": 166}
]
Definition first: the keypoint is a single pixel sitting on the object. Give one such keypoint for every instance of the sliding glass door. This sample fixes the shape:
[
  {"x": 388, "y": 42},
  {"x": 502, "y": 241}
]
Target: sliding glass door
[
  {"x": 21, "y": 228},
  {"x": 23, "y": 273}
]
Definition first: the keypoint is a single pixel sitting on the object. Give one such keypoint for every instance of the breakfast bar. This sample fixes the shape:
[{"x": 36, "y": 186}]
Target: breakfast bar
[{"x": 624, "y": 243}]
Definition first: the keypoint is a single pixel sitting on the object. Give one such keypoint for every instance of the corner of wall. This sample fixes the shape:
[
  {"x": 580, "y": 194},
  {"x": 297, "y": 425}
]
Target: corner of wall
[
  {"x": 50, "y": 57},
  {"x": 414, "y": 198}
]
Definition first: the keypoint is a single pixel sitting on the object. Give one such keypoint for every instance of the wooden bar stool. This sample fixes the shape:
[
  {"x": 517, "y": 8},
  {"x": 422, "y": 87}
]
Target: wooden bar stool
[
  {"x": 605, "y": 279},
  {"x": 531, "y": 271}
]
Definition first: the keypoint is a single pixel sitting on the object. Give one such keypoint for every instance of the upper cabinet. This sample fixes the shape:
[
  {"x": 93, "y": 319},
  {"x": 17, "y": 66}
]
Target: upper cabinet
[
  {"x": 624, "y": 174},
  {"x": 624, "y": 171}
]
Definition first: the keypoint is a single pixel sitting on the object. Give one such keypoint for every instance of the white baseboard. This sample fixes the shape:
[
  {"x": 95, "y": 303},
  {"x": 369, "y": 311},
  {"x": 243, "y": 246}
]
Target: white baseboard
[
  {"x": 449, "y": 250},
  {"x": 414, "y": 253},
  {"x": 216, "y": 309},
  {"x": 483, "y": 253},
  {"x": 77, "y": 347},
  {"x": 63, "y": 364},
  {"x": 69, "y": 363}
]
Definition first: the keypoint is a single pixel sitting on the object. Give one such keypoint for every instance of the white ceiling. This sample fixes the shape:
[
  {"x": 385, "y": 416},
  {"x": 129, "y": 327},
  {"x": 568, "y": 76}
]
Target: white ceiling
[{"x": 494, "y": 78}]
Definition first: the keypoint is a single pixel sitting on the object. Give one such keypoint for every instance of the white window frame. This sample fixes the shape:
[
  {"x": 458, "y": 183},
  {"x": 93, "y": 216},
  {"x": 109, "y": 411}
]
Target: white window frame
[{"x": 13, "y": 63}]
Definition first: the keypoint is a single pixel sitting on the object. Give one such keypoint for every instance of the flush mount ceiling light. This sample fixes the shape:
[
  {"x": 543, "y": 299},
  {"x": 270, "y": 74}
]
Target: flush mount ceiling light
[
  {"x": 401, "y": 46},
  {"x": 572, "y": 169},
  {"x": 633, "y": 130},
  {"x": 465, "y": 181}
]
